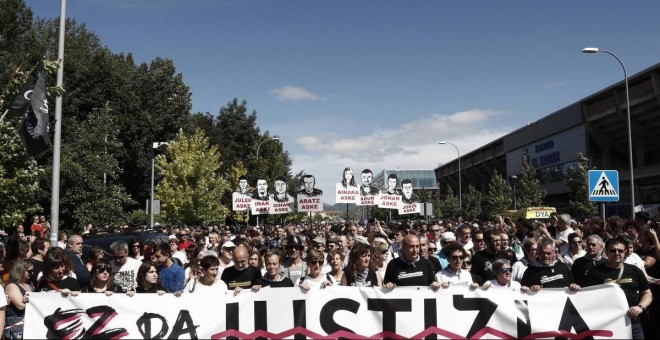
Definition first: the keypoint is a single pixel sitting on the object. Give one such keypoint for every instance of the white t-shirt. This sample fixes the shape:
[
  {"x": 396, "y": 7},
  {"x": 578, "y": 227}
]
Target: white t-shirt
[
  {"x": 459, "y": 278},
  {"x": 126, "y": 275},
  {"x": 193, "y": 286},
  {"x": 635, "y": 260},
  {"x": 513, "y": 284},
  {"x": 317, "y": 282},
  {"x": 3, "y": 302}
]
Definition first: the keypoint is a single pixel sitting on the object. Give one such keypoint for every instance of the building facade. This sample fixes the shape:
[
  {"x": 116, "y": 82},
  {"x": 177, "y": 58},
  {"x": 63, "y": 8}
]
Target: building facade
[{"x": 596, "y": 127}]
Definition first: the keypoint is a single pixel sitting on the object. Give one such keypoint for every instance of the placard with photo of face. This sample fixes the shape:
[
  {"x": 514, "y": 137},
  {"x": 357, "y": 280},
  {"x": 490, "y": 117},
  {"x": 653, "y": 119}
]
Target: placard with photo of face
[
  {"x": 390, "y": 197},
  {"x": 309, "y": 199},
  {"x": 410, "y": 202},
  {"x": 347, "y": 191},
  {"x": 280, "y": 200},
  {"x": 241, "y": 198},
  {"x": 260, "y": 204}
]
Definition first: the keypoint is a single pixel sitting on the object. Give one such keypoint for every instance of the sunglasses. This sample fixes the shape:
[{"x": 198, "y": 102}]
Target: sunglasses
[
  {"x": 136, "y": 246},
  {"x": 617, "y": 251},
  {"x": 468, "y": 263},
  {"x": 318, "y": 263},
  {"x": 433, "y": 249},
  {"x": 460, "y": 257},
  {"x": 228, "y": 248},
  {"x": 505, "y": 270},
  {"x": 101, "y": 269}
]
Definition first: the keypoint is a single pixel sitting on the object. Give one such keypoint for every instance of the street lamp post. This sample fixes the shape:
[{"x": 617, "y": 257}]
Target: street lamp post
[
  {"x": 264, "y": 141},
  {"x": 258, "y": 146},
  {"x": 157, "y": 146},
  {"x": 630, "y": 147},
  {"x": 460, "y": 187}
]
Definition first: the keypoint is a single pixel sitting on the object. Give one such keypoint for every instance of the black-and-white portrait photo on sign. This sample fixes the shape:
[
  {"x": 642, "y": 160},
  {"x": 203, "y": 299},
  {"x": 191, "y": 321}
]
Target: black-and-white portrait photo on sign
[
  {"x": 309, "y": 199},
  {"x": 347, "y": 190},
  {"x": 280, "y": 200},
  {"x": 390, "y": 197},
  {"x": 260, "y": 204},
  {"x": 368, "y": 192},
  {"x": 409, "y": 201},
  {"x": 241, "y": 198}
]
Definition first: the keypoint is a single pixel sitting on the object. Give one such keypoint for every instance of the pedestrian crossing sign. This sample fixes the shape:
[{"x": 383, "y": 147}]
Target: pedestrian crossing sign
[{"x": 603, "y": 185}]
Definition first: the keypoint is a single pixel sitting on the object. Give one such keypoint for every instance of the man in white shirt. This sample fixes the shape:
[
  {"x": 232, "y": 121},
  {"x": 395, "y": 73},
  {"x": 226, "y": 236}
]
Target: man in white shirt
[
  {"x": 124, "y": 268},
  {"x": 563, "y": 230}
]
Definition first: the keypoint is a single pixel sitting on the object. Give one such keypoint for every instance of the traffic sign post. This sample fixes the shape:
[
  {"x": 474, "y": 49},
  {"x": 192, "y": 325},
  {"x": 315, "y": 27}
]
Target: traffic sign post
[{"x": 603, "y": 187}]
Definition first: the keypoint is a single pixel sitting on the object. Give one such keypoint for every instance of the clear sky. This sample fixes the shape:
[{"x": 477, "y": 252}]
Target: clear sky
[{"x": 376, "y": 84}]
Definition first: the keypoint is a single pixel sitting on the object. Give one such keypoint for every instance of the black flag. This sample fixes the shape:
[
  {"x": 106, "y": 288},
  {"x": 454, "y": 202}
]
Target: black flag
[{"x": 31, "y": 104}]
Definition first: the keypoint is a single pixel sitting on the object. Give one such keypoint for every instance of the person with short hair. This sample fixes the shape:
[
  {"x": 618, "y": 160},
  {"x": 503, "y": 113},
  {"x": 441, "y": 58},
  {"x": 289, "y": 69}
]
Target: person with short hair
[
  {"x": 519, "y": 267},
  {"x": 74, "y": 252},
  {"x": 629, "y": 278},
  {"x": 241, "y": 275},
  {"x": 39, "y": 249},
  {"x": 273, "y": 276},
  {"x": 504, "y": 276},
  {"x": 592, "y": 257},
  {"x": 172, "y": 276},
  {"x": 336, "y": 259},
  {"x": 454, "y": 274},
  {"x": 410, "y": 269},
  {"x": 208, "y": 280},
  {"x": 124, "y": 268},
  {"x": 547, "y": 271},
  {"x": 314, "y": 277},
  {"x": 482, "y": 261}
]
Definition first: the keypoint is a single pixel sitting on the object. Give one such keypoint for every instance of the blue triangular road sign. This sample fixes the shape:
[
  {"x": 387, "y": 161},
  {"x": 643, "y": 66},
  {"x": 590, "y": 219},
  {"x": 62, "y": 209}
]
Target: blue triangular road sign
[{"x": 604, "y": 185}]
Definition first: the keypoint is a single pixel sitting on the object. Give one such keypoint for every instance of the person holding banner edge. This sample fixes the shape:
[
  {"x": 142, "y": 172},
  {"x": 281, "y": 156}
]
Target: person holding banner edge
[{"x": 410, "y": 269}]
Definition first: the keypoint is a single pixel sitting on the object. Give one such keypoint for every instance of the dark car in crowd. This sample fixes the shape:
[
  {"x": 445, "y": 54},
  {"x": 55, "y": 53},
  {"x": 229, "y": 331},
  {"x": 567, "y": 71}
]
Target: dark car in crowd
[{"x": 105, "y": 239}]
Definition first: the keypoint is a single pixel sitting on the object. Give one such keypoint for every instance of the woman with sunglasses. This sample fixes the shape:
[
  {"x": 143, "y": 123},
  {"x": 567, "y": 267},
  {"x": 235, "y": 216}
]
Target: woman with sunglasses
[
  {"x": 17, "y": 290},
  {"x": 379, "y": 256},
  {"x": 336, "y": 259},
  {"x": 358, "y": 273},
  {"x": 135, "y": 249},
  {"x": 503, "y": 278},
  {"x": 57, "y": 274},
  {"x": 575, "y": 249},
  {"x": 467, "y": 266},
  {"x": 454, "y": 274},
  {"x": 314, "y": 278},
  {"x": 101, "y": 279}
]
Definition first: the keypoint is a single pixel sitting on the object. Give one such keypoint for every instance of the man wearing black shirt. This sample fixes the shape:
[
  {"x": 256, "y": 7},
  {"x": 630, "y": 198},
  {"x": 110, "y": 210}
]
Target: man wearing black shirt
[
  {"x": 584, "y": 264},
  {"x": 629, "y": 278},
  {"x": 547, "y": 272},
  {"x": 482, "y": 261},
  {"x": 240, "y": 275},
  {"x": 410, "y": 269}
]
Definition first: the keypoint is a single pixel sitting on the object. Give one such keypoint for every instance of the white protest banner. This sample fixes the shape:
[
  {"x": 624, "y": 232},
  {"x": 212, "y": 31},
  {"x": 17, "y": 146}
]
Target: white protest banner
[
  {"x": 410, "y": 208},
  {"x": 367, "y": 313},
  {"x": 388, "y": 201},
  {"x": 240, "y": 202},
  {"x": 350, "y": 194}
]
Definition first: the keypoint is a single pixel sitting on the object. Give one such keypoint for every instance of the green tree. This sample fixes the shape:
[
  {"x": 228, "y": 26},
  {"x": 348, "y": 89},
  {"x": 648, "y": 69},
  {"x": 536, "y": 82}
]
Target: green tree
[
  {"x": 448, "y": 207},
  {"x": 528, "y": 189},
  {"x": 89, "y": 184},
  {"x": 19, "y": 178},
  {"x": 472, "y": 203},
  {"x": 577, "y": 180},
  {"x": 16, "y": 39},
  {"x": 191, "y": 187},
  {"x": 499, "y": 195}
]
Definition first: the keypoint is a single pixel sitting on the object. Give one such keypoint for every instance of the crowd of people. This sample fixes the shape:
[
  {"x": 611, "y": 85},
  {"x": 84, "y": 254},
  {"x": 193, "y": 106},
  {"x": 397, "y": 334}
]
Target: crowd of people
[{"x": 522, "y": 255}]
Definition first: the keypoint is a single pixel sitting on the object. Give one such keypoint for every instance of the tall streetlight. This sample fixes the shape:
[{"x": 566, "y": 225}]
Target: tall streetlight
[
  {"x": 630, "y": 147},
  {"x": 460, "y": 187},
  {"x": 264, "y": 141},
  {"x": 160, "y": 147},
  {"x": 258, "y": 146},
  {"x": 514, "y": 179}
]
